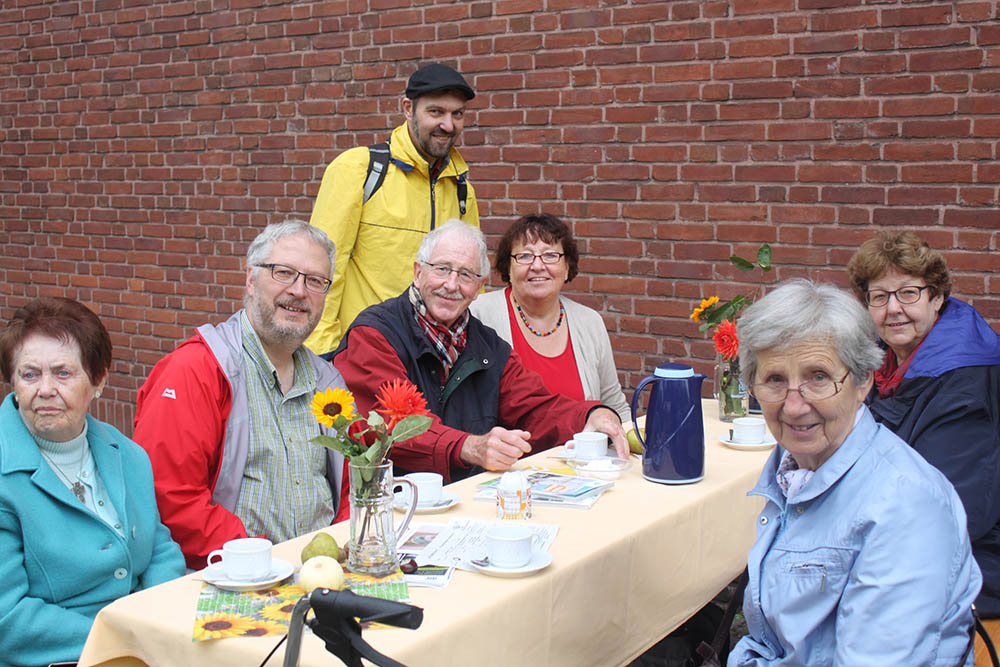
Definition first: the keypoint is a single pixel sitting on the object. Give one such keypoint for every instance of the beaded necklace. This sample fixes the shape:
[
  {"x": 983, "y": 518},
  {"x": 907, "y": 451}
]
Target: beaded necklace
[{"x": 562, "y": 314}]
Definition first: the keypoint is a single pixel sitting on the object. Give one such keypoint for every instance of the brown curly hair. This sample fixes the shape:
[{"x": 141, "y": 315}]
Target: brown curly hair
[
  {"x": 543, "y": 227},
  {"x": 906, "y": 253}
]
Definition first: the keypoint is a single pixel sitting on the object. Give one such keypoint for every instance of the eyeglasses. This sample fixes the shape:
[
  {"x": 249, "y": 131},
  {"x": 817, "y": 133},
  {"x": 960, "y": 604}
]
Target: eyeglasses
[
  {"x": 286, "y": 275},
  {"x": 529, "y": 257},
  {"x": 443, "y": 272},
  {"x": 910, "y": 294},
  {"x": 820, "y": 387}
]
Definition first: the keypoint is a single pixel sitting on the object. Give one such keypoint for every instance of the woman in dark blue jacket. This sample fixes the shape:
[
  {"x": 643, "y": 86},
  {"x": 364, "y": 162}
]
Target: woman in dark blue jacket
[{"x": 939, "y": 388}]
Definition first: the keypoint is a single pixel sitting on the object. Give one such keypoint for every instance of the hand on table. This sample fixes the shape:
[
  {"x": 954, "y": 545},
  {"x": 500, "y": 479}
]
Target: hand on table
[
  {"x": 496, "y": 450},
  {"x": 606, "y": 421}
]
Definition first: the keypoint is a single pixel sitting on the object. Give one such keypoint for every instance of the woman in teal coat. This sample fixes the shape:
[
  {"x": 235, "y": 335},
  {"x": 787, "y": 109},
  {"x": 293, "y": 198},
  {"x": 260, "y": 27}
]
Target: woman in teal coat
[{"x": 79, "y": 526}]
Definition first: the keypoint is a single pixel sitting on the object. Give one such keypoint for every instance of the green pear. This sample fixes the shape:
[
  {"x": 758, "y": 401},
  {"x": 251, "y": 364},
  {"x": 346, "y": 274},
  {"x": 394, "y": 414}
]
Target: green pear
[
  {"x": 322, "y": 544},
  {"x": 633, "y": 440}
]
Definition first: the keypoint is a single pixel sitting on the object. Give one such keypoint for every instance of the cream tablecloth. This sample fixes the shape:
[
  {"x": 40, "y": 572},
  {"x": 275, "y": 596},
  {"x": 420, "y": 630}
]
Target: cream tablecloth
[{"x": 625, "y": 573}]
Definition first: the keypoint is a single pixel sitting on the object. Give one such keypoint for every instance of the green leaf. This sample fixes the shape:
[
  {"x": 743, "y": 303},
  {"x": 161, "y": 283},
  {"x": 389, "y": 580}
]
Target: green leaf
[
  {"x": 410, "y": 427},
  {"x": 375, "y": 419},
  {"x": 330, "y": 442},
  {"x": 764, "y": 257},
  {"x": 741, "y": 264}
]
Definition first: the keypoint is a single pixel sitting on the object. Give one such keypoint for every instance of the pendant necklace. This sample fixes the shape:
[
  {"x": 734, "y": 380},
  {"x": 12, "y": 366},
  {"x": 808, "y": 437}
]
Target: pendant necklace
[
  {"x": 540, "y": 334},
  {"x": 75, "y": 486}
]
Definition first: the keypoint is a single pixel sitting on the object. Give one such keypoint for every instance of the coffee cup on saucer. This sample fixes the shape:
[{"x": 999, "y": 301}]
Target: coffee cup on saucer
[
  {"x": 428, "y": 488},
  {"x": 510, "y": 545},
  {"x": 749, "y": 430},
  {"x": 243, "y": 559},
  {"x": 590, "y": 445}
]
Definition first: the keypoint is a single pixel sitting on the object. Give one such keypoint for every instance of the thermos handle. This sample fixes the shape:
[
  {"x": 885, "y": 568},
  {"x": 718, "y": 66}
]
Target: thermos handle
[{"x": 635, "y": 403}]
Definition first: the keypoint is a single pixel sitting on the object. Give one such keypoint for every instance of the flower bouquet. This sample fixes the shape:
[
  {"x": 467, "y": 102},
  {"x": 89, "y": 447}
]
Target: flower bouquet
[
  {"x": 372, "y": 549},
  {"x": 721, "y": 317}
]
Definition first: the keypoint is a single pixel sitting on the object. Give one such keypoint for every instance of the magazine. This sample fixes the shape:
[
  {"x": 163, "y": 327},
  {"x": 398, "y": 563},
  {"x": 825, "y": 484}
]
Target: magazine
[{"x": 553, "y": 485}]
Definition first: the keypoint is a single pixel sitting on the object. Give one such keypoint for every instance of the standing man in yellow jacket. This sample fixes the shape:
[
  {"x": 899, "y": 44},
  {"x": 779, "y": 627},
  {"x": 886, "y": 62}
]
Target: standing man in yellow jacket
[{"x": 425, "y": 184}]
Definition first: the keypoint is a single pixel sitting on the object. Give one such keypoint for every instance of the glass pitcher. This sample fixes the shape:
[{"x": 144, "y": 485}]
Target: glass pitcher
[{"x": 373, "y": 533}]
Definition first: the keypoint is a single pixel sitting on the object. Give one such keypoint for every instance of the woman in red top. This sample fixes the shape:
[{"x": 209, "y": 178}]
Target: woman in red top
[{"x": 563, "y": 341}]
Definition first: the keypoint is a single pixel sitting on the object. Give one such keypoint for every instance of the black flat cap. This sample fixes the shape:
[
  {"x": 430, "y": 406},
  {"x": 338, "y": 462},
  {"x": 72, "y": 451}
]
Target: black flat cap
[{"x": 434, "y": 77}]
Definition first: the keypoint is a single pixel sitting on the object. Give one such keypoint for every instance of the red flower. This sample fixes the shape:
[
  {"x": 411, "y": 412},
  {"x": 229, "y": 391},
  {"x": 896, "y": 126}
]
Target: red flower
[
  {"x": 398, "y": 399},
  {"x": 727, "y": 343}
]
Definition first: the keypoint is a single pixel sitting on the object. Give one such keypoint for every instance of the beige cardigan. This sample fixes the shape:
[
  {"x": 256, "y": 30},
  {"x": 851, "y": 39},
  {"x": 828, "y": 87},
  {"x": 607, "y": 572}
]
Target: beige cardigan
[{"x": 591, "y": 347}]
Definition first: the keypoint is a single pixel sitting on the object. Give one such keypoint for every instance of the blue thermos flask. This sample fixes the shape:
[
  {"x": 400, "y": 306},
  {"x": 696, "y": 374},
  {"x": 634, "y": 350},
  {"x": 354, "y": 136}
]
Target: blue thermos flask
[{"x": 674, "y": 442}]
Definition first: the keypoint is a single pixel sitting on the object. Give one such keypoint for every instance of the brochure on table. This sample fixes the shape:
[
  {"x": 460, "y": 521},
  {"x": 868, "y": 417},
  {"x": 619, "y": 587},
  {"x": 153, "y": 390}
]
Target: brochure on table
[{"x": 554, "y": 488}]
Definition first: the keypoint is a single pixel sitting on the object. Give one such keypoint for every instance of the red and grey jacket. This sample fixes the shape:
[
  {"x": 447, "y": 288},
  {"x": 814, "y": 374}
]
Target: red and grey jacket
[{"x": 192, "y": 418}]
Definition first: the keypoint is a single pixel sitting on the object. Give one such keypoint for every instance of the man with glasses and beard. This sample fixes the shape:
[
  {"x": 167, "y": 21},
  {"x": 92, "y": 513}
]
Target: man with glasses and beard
[
  {"x": 225, "y": 417},
  {"x": 376, "y": 203},
  {"x": 488, "y": 409}
]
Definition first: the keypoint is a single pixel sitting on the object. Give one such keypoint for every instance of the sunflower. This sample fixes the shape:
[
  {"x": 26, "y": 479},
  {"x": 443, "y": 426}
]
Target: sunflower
[
  {"x": 330, "y": 404},
  {"x": 279, "y": 611},
  {"x": 705, "y": 303},
  {"x": 398, "y": 399},
  {"x": 727, "y": 343},
  {"x": 262, "y": 628},
  {"x": 220, "y": 626}
]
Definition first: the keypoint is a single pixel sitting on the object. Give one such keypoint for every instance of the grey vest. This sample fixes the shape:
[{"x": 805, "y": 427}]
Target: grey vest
[{"x": 226, "y": 343}]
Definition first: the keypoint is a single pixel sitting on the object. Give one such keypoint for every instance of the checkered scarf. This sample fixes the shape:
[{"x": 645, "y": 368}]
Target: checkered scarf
[{"x": 448, "y": 342}]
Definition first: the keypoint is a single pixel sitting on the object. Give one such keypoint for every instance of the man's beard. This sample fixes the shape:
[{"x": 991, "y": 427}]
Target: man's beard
[
  {"x": 270, "y": 331},
  {"x": 426, "y": 143}
]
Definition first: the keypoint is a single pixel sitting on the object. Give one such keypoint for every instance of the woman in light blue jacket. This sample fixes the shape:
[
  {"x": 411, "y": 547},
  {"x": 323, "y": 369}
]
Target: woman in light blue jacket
[
  {"x": 79, "y": 526},
  {"x": 862, "y": 555}
]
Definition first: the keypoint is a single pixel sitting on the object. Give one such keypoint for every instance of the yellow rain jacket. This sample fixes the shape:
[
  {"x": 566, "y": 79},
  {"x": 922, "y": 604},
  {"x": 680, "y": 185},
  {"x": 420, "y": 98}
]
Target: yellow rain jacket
[{"x": 377, "y": 241}]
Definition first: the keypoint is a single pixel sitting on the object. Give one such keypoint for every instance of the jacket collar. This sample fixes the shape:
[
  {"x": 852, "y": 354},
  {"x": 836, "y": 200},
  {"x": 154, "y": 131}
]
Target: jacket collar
[
  {"x": 855, "y": 444},
  {"x": 938, "y": 354},
  {"x": 19, "y": 452},
  {"x": 403, "y": 149}
]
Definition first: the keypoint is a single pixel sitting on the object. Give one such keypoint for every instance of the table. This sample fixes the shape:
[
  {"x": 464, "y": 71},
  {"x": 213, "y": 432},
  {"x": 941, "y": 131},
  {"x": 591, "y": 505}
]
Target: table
[{"x": 626, "y": 572}]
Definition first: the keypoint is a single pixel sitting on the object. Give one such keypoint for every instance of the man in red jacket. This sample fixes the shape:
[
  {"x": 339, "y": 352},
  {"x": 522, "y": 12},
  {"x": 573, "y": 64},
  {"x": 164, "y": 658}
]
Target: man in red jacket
[
  {"x": 489, "y": 410},
  {"x": 225, "y": 417}
]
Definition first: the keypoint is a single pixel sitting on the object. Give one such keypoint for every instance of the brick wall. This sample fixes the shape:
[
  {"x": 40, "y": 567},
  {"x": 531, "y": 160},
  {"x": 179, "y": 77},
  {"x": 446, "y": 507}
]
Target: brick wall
[{"x": 143, "y": 144}]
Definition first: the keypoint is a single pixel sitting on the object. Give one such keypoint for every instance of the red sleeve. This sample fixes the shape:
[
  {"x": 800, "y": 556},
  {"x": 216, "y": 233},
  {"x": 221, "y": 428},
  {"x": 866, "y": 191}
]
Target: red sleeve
[
  {"x": 180, "y": 420},
  {"x": 525, "y": 403},
  {"x": 366, "y": 364}
]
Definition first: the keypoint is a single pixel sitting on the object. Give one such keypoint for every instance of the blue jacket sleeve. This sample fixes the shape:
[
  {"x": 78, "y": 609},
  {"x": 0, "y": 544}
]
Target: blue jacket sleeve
[{"x": 890, "y": 610}]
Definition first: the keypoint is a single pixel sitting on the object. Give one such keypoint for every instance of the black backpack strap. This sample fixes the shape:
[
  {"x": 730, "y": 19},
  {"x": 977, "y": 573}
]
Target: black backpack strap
[
  {"x": 378, "y": 165},
  {"x": 463, "y": 192}
]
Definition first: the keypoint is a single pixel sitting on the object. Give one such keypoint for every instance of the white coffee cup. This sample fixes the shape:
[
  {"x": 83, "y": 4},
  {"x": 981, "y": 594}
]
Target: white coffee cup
[
  {"x": 510, "y": 545},
  {"x": 590, "y": 445},
  {"x": 749, "y": 430},
  {"x": 243, "y": 559},
  {"x": 428, "y": 488}
]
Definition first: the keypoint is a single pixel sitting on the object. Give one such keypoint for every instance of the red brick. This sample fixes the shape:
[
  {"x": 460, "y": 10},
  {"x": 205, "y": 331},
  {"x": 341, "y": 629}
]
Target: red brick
[{"x": 938, "y": 14}]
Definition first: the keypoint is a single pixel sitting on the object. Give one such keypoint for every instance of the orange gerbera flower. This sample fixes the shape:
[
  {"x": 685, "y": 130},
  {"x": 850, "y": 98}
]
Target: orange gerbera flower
[
  {"x": 727, "y": 343},
  {"x": 399, "y": 398}
]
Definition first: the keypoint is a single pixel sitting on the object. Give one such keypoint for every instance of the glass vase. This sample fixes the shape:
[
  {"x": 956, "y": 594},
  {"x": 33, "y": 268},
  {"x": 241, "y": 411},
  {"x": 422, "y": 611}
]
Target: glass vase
[
  {"x": 732, "y": 394},
  {"x": 373, "y": 533}
]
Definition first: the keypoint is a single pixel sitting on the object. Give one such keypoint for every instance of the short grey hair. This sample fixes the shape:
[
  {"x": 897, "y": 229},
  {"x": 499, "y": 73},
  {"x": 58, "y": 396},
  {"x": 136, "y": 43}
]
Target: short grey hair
[
  {"x": 455, "y": 227},
  {"x": 798, "y": 311},
  {"x": 260, "y": 248}
]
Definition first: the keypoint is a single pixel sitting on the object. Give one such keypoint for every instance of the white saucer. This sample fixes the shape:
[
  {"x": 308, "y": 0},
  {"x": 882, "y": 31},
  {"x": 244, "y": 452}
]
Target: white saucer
[
  {"x": 539, "y": 561},
  {"x": 769, "y": 442},
  {"x": 447, "y": 501},
  {"x": 280, "y": 570},
  {"x": 603, "y": 467}
]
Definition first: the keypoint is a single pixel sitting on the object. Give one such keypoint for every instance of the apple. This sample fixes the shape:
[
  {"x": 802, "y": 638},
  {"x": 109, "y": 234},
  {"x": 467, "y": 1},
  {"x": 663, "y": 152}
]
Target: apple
[{"x": 321, "y": 572}]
